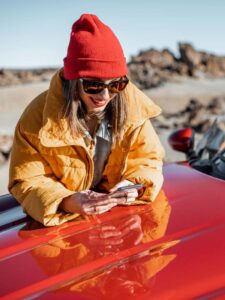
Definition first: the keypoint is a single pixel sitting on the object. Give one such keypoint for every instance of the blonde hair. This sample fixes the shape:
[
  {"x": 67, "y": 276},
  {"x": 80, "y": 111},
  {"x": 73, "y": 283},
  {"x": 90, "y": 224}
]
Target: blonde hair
[{"x": 75, "y": 112}]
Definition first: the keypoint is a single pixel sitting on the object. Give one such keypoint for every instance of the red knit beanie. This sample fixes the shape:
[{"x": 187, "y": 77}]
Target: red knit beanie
[{"x": 94, "y": 51}]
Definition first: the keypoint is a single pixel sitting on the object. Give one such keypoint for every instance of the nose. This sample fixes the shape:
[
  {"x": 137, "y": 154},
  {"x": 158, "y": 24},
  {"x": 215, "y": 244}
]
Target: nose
[{"x": 104, "y": 94}]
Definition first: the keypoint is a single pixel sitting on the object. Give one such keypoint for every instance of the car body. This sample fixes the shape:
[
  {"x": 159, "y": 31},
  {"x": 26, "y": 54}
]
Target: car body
[{"x": 171, "y": 249}]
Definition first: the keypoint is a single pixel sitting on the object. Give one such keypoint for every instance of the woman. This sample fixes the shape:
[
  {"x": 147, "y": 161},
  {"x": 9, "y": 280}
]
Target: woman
[{"x": 88, "y": 135}]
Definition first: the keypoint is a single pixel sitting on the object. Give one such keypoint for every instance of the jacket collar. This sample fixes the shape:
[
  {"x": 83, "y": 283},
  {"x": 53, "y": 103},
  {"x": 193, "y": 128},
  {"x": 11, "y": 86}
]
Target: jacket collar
[
  {"x": 140, "y": 106},
  {"x": 55, "y": 132}
]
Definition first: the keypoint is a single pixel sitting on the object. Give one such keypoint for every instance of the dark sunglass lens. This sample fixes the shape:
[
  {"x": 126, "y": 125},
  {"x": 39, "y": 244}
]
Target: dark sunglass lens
[
  {"x": 92, "y": 87},
  {"x": 117, "y": 86}
]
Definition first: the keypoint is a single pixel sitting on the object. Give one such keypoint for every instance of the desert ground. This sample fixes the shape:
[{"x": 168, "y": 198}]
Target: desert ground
[{"x": 171, "y": 96}]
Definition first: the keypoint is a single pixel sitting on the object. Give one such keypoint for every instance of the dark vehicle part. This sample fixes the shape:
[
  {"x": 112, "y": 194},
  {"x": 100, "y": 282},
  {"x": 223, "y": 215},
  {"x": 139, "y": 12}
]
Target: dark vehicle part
[
  {"x": 208, "y": 156},
  {"x": 182, "y": 140},
  {"x": 218, "y": 165},
  {"x": 211, "y": 142}
]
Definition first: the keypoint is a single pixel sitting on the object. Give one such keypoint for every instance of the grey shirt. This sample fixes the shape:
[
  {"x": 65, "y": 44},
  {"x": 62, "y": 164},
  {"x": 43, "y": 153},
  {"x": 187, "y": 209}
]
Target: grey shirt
[{"x": 102, "y": 142}]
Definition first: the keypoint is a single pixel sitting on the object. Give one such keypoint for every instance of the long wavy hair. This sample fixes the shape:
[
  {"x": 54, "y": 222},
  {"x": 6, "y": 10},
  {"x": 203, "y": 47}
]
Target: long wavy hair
[{"x": 75, "y": 111}]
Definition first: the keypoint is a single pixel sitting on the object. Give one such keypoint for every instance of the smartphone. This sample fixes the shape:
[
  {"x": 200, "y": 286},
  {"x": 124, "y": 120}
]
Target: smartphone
[{"x": 132, "y": 186}]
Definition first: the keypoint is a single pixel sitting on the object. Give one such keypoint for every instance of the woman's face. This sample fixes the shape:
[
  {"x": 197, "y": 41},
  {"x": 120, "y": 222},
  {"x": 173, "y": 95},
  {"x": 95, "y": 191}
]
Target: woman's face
[{"x": 96, "y": 102}]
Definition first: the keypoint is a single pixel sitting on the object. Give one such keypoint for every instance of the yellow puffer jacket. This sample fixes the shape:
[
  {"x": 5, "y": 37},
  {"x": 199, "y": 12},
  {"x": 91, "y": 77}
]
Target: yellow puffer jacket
[{"x": 48, "y": 163}]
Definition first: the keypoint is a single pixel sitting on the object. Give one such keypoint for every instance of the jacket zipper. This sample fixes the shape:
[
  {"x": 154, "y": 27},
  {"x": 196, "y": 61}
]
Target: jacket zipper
[
  {"x": 89, "y": 166},
  {"x": 89, "y": 169},
  {"x": 128, "y": 149},
  {"x": 89, "y": 175}
]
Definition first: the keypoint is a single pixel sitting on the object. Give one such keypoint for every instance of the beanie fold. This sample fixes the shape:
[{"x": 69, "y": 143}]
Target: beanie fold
[{"x": 93, "y": 68}]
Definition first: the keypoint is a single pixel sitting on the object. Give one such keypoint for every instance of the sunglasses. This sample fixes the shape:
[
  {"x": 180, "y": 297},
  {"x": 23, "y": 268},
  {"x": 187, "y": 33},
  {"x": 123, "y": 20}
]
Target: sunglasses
[{"x": 96, "y": 87}]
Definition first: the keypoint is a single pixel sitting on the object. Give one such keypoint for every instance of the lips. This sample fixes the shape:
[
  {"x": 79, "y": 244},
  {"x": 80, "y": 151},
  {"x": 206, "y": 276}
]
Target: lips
[{"x": 99, "y": 102}]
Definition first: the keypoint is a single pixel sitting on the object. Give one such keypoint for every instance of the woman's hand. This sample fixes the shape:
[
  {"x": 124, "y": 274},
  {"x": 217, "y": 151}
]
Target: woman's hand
[
  {"x": 92, "y": 203},
  {"x": 88, "y": 202},
  {"x": 126, "y": 196}
]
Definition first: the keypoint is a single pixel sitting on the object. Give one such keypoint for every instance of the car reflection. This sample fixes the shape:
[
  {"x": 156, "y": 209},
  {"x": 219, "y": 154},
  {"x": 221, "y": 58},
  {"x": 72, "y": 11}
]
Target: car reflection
[{"x": 115, "y": 258}]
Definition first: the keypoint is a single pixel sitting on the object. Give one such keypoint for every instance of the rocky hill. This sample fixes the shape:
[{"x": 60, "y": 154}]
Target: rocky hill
[
  {"x": 148, "y": 69},
  {"x": 20, "y": 76},
  {"x": 151, "y": 68}
]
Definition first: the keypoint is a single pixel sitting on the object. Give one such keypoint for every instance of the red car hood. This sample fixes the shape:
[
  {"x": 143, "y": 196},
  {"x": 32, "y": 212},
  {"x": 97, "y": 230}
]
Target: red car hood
[{"x": 171, "y": 249}]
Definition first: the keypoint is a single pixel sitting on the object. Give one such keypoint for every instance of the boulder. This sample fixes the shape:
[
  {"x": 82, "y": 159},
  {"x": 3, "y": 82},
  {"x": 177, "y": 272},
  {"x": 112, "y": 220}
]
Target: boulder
[{"x": 189, "y": 55}]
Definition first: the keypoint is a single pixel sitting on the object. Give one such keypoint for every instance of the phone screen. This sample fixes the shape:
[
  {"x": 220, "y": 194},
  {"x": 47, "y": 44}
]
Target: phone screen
[{"x": 132, "y": 186}]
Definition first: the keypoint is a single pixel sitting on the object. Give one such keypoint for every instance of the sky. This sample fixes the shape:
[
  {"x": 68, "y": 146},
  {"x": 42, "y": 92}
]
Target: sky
[{"x": 36, "y": 33}]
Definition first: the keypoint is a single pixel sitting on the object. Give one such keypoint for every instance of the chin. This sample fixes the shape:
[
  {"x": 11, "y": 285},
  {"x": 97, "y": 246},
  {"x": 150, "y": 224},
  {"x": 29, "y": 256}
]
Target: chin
[{"x": 97, "y": 109}]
